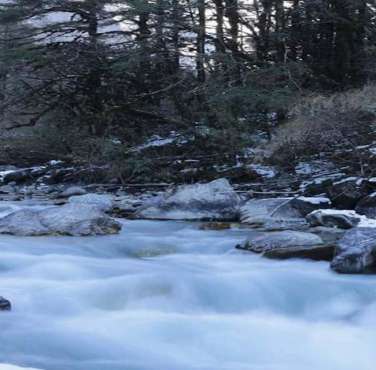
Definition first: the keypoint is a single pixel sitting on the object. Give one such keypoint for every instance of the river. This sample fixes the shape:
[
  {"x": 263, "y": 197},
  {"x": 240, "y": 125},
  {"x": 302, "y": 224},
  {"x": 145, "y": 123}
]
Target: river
[{"x": 168, "y": 296}]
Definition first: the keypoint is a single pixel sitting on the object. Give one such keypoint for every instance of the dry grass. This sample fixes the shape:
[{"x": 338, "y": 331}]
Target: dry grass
[{"x": 329, "y": 125}]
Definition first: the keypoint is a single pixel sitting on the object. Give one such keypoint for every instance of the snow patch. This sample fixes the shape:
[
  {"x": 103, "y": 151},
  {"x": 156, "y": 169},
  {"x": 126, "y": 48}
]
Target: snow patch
[
  {"x": 364, "y": 220},
  {"x": 264, "y": 171},
  {"x": 315, "y": 200}
]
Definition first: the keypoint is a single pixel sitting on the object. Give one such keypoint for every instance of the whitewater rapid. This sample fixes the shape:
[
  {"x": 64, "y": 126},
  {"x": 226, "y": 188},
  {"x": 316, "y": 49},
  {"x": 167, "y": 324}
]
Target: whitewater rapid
[{"x": 168, "y": 296}]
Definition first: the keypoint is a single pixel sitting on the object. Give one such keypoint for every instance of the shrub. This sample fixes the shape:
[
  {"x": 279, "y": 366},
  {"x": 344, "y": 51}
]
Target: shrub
[{"x": 340, "y": 126}]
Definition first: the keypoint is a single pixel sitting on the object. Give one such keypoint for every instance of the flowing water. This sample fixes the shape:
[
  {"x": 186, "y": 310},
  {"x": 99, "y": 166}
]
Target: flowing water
[{"x": 168, "y": 296}]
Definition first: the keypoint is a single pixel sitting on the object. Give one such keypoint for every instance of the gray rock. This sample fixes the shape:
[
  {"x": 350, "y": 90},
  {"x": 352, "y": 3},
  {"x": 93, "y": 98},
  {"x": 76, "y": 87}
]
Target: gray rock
[
  {"x": 356, "y": 252},
  {"x": 289, "y": 244},
  {"x": 70, "y": 219},
  {"x": 216, "y": 200},
  {"x": 334, "y": 218},
  {"x": 272, "y": 214},
  {"x": 128, "y": 205},
  {"x": 367, "y": 206},
  {"x": 275, "y": 224},
  {"x": 102, "y": 201},
  {"x": 329, "y": 235},
  {"x": 71, "y": 191},
  {"x": 306, "y": 205},
  {"x": 5, "y": 305},
  {"x": 346, "y": 193},
  {"x": 256, "y": 211},
  {"x": 7, "y": 189}
]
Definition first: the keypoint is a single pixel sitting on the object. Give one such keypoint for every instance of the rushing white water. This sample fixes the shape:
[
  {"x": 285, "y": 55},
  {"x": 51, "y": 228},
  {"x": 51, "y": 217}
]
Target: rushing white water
[{"x": 168, "y": 296}]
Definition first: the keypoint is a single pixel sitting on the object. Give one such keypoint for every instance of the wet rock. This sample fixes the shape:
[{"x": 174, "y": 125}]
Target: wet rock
[
  {"x": 102, "y": 201},
  {"x": 356, "y": 252},
  {"x": 334, "y": 218},
  {"x": 367, "y": 206},
  {"x": 216, "y": 200},
  {"x": 289, "y": 244},
  {"x": 5, "y": 305},
  {"x": 70, "y": 219},
  {"x": 72, "y": 191}
]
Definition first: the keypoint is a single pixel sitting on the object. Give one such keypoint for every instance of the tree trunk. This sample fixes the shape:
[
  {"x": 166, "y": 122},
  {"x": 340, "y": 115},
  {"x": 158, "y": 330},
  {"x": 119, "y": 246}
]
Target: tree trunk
[{"x": 201, "y": 41}]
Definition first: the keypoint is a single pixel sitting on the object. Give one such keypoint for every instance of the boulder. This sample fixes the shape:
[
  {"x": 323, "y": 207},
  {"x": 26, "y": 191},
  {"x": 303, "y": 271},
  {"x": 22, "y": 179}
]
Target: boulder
[
  {"x": 346, "y": 193},
  {"x": 344, "y": 219},
  {"x": 306, "y": 205},
  {"x": 70, "y": 219},
  {"x": 102, "y": 201},
  {"x": 72, "y": 191},
  {"x": 272, "y": 214},
  {"x": 216, "y": 200},
  {"x": 289, "y": 244},
  {"x": 5, "y": 305},
  {"x": 367, "y": 206},
  {"x": 356, "y": 252}
]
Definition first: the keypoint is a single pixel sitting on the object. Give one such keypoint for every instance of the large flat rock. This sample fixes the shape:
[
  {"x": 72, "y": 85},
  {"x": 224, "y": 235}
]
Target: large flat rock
[
  {"x": 289, "y": 244},
  {"x": 70, "y": 219}
]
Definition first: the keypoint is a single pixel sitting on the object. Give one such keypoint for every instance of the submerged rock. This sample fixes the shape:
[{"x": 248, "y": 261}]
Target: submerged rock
[
  {"x": 334, "y": 218},
  {"x": 70, "y": 219},
  {"x": 216, "y": 200},
  {"x": 289, "y": 244},
  {"x": 5, "y": 305},
  {"x": 356, "y": 252}
]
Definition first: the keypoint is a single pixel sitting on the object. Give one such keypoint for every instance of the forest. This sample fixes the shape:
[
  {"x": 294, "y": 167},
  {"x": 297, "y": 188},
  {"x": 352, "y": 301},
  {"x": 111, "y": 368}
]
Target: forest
[{"x": 214, "y": 75}]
